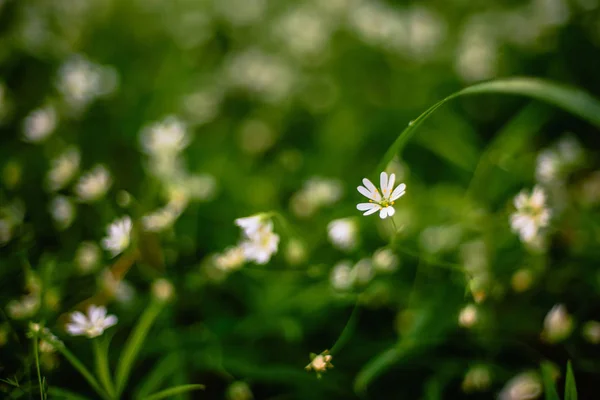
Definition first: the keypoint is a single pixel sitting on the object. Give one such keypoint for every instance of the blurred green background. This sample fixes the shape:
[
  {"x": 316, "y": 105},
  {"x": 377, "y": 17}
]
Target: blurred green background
[{"x": 285, "y": 106}]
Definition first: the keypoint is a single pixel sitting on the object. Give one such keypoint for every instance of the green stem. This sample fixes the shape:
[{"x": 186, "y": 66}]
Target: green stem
[
  {"x": 102, "y": 367},
  {"x": 37, "y": 364},
  {"x": 78, "y": 365},
  {"x": 134, "y": 344},
  {"x": 348, "y": 329}
]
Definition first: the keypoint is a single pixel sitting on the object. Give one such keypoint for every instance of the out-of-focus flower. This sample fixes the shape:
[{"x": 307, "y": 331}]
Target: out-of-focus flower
[
  {"x": 162, "y": 289},
  {"x": 255, "y": 136},
  {"x": 381, "y": 202},
  {"x": 231, "y": 259},
  {"x": 320, "y": 362},
  {"x": 26, "y": 307},
  {"x": 93, "y": 324},
  {"x": 39, "y": 124},
  {"x": 531, "y": 214},
  {"x": 477, "y": 53},
  {"x": 343, "y": 233},
  {"x": 468, "y": 316},
  {"x": 63, "y": 169},
  {"x": 165, "y": 138},
  {"x": 522, "y": 280},
  {"x": 239, "y": 391},
  {"x": 261, "y": 243},
  {"x": 341, "y": 276},
  {"x": 316, "y": 192},
  {"x": 379, "y": 25},
  {"x": 591, "y": 332},
  {"x": 62, "y": 210},
  {"x": 556, "y": 162},
  {"x": 426, "y": 31},
  {"x": 118, "y": 236},
  {"x": 241, "y": 12},
  {"x": 477, "y": 379},
  {"x": 159, "y": 220},
  {"x": 81, "y": 81},
  {"x": 295, "y": 252},
  {"x": 384, "y": 260},
  {"x": 304, "y": 32},
  {"x": 525, "y": 386},
  {"x": 94, "y": 184},
  {"x": 362, "y": 272},
  {"x": 202, "y": 106},
  {"x": 120, "y": 289},
  {"x": 558, "y": 324},
  {"x": 87, "y": 256}
]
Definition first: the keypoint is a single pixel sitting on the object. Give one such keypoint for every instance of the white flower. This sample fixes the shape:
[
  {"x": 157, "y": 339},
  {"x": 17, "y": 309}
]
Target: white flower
[
  {"x": 531, "y": 214},
  {"x": 93, "y": 324},
  {"x": 159, "y": 220},
  {"x": 39, "y": 124},
  {"x": 591, "y": 332},
  {"x": 478, "y": 378},
  {"x": 342, "y": 233},
  {"x": 118, "y": 236},
  {"x": 315, "y": 193},
  {"x": 384, "y": 260},
  {"x": 63, "y": 169},
  {"x": 319, "y": 362},
  {"x": 341, "y": 276},
  {"x": 87, "y": 256},
  {"x": 381, "y": 202},
  {"x": 62, "y": 211},
  {"x": 231, "y": 259},
  {"x": 558, "y": 324},
  {"x": 94, "y": 184},
  {"x": 467, "y": 317},
  {"x": 261, "y": 245},
  {"x": 165, "y": 138},
  {"x": 525, "y": 386},
  {"x": 251, "y": 225}
]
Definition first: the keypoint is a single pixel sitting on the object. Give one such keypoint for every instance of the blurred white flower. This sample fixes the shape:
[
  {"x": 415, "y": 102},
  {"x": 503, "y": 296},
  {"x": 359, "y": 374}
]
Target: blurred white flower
[
  {"x": 62, "y": 210},
  {"x": 118, "y": 236},
  {"x": 378, "y": 202},
  {"x": 304, "y": 32},
  {"x": 525, "y": 386},
  {"x": 384, "y": 260},
  {"x": 159, "y": 220},
  {"x": 362, "y": 272},
  {"x": 39, "y": 124},
  {"x": 252, "y": 224},
  {"x": 316, "y": 192},
  {"x": 591, "y": 332},
  {"x": 531, "y": 214},
  {"x": 231, "y": 259},
  {"x": 165, "y": 138},
  {"x": 162, "y": 289},
  {"x": 477, "y": 52},
  {"x": 342, "y": 233},
  {"x": 558, "y": 324},
  {"x": 522, "y": 280},
  {"x": 379, "y": 25},
  {"x": 241, "y": 12},
  {"x": 81, "y": 81},
  {"x": 94, "y": 184},
  {"x": 261, "y": 245},
  {"x": 341, "y": 276},
  {"x": 26, "y": 307},
  {"x": 87, "y": 256},
  {"x": 63, "y": 169},
  {"x": 467, "y": 317},
  {"x": 93, "y": 324},
  {"x": 115, "y": 287},
  {"x": 202, "y": 106},
  {"x": 320, "y": 362},
  {"x": 478, "y": 378},
  {"x": 554, "y": 163},
  {"x": 426, "y": 31},
  {"x": 239, "y": 390}
]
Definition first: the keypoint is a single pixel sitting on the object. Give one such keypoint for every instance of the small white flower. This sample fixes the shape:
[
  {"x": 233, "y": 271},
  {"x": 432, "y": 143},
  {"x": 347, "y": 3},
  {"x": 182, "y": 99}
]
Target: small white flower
[
  {"x": 159, "y": 220},
  {"x": 63, "y": 169},
  {"x": 319, "y": 362},
  {"x": 39, "y": 124},
  {"x": 231, "y": 259},
  {"x": 251, "y": 225},
  {"x": 261, "y": 245},
  {"x": 94, "y": 184},
  {"x": 525, "y": 386},
  {"x": 477, "y": 379},
  {"x": 62, "y": 211},
  {"x": 591, "y": 332},
  {"x": 381, "y": 202},
  {"x": 93, "y": 324},
  {"x": 558, "y": 324},
  {"x": 342, "y": 233},
  {"x": 531, "y": 214},
  {"x": 316, "y": 192},
  {"x": 468, "y": 317},
  {"x": 341, "y": 276},
  {"x": 384, "y": 260},
  {"x": 118, "y": 236},
  {"x": 87, "y": 256},
  {"x": 165, "y": 138},
  {"x": 362, "y": 272}
]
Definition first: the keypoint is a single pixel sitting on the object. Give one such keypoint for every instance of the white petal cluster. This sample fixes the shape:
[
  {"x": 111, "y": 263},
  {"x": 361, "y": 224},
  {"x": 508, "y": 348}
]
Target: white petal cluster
[
  {"x": 316, "y": 193},
  {"x": 165, "y": 138},
  {"x": 118, "y": 236},
  {"x": 91, "y": 325},
  {"x": 63, "y": 169},
  {"x": 384, "y": 201},
  {"x": 344, "y": 275},
  {"x": 259, "y": 241},
  {"x": 555, "y": 162},
  {"x": 39, "y": 124},
  {"x": 62, "y": 210},
  {"x": 531, "y": 214},
  {"x": 343, "y": 233},
  {"x": 231, "y": 259},
  {"x": 87, "y": 256},
  {"x": 525, "y": 386},
  {"x": 94, "y": 184},
  {"x": 558, "y": 324}
]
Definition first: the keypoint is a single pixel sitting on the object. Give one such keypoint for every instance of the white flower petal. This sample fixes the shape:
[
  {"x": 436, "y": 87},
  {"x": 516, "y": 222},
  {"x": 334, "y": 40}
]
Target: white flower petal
[
  {"x": 383, "y": 213},
  {"x": 369, "y": 185},
  {"x": 79, "y": 318},
  {"x": 110, "y": 321},
  {"x": 365, "y": 192},
  {"x": 391, "y": 181},
  {"x": 398, "y": 192},
  {"x": 366, "y": 206},
  {"x": 372, "y": 210},
  {"x": 383, "y": 183},
  {"x": 391, "y": 211},
  {"x": 75, "y": 329}
]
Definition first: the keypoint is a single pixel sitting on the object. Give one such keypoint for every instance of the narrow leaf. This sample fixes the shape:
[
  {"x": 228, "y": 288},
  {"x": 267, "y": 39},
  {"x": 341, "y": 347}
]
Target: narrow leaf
[
  {"x": 550, "y": 392},
  {"x": 568, "y": 98},
  {"x": 174, "y": 391},
  {"x": 64, "y": 394},
  {"x": 102, "y": 367},
  {"x": 570, "y": 386}
]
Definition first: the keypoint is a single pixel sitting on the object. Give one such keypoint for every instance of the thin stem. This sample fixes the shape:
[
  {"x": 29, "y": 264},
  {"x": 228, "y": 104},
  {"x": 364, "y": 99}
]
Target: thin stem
[
  {"x": 348, "y": 329},
  {"x": 37, "y": 364},
  {"x": 78, "y": 365},
  {"x": 102, "y": 367}
]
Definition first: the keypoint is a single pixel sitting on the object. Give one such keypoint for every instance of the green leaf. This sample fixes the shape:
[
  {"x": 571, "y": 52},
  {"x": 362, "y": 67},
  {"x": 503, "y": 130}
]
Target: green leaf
[
  {"x": 64, "y": 394},
  {"x": 549, "y": 386},
  {"x": 161, "y": 371},
  {"x": 134, "y": 344},
  {"x": 174, "y": 391},
  {"x": 570, "y": 386},
  {"x": 568, "y": 98},
  {"x": 102, "y": 367},
  {"x": 78, "y": 365}
]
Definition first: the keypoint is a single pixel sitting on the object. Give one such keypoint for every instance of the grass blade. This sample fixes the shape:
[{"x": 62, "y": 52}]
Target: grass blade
[
  {"x": 161, "y": 371},
  {"x": 568, "y": 98},
  {"x": 550, "y": 392},
  {"x": 102, "y": 367},
  {"x": 570, "y": 386},
  {"x": 134, "y": 344},
  {"x": 78, "y": 365},
  {"x": 64, "y": 394},
  {"x": 174, "y": 391}
]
